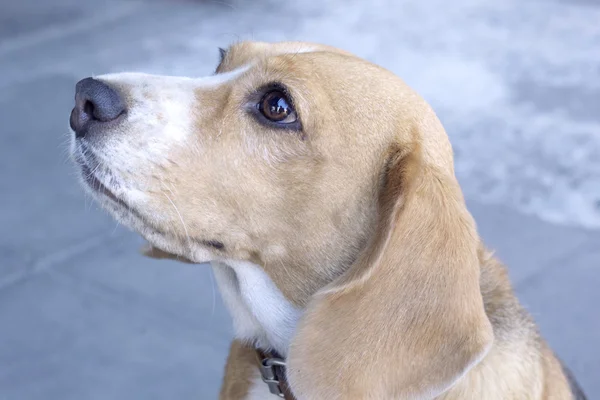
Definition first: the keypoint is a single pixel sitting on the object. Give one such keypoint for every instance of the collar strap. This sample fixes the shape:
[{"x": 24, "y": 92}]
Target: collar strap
[{"x": 272, "y": 370}]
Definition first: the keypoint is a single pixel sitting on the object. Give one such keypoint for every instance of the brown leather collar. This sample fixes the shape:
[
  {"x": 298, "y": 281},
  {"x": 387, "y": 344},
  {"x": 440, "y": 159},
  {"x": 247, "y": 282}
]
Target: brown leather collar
[{"x": 272, "y": 370}]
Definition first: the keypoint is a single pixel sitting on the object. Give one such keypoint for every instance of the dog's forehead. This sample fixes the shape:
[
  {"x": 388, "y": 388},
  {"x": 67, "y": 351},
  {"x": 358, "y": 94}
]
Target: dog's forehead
[{"x": 244, "y": 53}]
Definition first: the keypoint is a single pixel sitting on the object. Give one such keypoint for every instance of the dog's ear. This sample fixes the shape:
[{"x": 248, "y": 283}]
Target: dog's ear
[{"x": 406, "y": 320}]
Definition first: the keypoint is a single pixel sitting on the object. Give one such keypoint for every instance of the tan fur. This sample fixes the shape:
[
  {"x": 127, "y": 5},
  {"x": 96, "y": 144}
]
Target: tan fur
[
  {"x": 358, "y": 220},
  {"x": 241, "y": 367}
]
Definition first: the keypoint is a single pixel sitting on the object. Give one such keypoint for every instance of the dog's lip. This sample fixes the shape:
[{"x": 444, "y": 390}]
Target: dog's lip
[
  {"x": 88, "y": 162},
  {"x": 90, "y": 179},
  {"x": 94, "y": 183}
]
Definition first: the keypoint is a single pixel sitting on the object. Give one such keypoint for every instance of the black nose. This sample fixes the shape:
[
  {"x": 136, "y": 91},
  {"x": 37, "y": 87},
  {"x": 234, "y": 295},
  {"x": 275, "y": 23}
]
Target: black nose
[{"x": 96, "y": 103}]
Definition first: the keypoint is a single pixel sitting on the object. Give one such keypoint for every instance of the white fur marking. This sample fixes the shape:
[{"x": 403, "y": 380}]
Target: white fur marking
[
  {"x": 259, "y": 310},
  {"x": 172, "y": 98},
  {"x": 301, "y": 50},
  {"x": 219, "y": 79}
]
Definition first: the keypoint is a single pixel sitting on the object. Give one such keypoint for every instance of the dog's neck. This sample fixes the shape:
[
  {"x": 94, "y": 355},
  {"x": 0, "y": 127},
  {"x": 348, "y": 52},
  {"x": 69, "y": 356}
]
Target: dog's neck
[{"x": 261, "y": 314}]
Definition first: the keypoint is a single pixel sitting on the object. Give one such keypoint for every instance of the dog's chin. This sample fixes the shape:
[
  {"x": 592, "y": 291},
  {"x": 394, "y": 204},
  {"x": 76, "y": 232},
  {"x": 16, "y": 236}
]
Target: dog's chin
[
  {"x": 129, "y": 206},
  {"x": 133, "y": 218}
]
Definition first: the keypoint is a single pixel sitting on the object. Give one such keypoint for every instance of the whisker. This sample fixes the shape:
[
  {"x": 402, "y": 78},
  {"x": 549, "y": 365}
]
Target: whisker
[
  {"x": 116, "y": 227},
  {"x": 189, "y": 241},
  {"x": 65, "y": 149}
]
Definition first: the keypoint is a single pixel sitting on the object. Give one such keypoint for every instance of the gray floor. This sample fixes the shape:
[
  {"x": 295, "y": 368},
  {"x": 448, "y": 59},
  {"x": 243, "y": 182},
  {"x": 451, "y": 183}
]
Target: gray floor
[{"x": 83, "y": 316}]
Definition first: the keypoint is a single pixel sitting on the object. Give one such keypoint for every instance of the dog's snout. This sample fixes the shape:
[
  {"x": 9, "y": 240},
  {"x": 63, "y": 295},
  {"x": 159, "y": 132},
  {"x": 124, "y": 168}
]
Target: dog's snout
[{"x": 95, "y": 103}]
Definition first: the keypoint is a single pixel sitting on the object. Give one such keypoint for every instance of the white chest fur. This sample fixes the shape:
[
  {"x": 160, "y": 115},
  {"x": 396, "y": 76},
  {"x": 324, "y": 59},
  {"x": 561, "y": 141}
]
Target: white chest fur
[{"x": 260, "y": 312}]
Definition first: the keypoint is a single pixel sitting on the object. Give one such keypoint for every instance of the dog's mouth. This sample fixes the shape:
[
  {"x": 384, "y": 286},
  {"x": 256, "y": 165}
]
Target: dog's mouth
[
  {"x": 90, "y": 166},
  {"x": 105, "y": 186},
  {"x": 95, "y": 184}
]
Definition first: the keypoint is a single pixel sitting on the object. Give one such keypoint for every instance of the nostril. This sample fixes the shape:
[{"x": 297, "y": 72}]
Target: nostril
[
  {"x": 95, "y": 101},
  {"x": 89, "y": 110}
]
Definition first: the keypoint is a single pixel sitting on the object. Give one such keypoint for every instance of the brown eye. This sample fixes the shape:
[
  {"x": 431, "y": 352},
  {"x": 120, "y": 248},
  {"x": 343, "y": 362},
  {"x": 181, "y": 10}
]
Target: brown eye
[{"x": 276, "y": 107}]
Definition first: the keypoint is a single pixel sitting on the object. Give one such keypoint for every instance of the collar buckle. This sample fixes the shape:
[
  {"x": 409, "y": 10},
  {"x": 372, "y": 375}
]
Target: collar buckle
[{"x": 272, "y": 371}]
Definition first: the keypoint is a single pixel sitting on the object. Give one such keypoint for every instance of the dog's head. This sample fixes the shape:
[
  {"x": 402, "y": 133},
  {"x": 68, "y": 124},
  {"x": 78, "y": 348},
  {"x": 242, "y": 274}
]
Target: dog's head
[{"x": 329, "y": 173}]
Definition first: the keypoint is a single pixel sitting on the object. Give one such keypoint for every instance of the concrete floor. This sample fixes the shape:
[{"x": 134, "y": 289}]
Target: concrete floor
[{"x": 83, "y": 316}]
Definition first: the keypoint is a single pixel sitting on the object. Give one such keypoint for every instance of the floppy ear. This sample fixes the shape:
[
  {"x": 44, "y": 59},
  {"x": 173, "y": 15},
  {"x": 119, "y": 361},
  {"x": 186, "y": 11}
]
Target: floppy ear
[{"x": 406, "y": 320}]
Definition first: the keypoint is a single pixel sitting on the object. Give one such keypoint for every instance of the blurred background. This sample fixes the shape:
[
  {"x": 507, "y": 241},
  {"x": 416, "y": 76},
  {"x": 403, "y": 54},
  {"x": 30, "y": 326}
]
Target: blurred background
[{"x": 84, "y": 316}]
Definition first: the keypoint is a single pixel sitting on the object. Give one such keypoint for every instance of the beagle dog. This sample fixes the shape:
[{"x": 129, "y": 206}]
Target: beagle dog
[{"x": 321, "y": 189}]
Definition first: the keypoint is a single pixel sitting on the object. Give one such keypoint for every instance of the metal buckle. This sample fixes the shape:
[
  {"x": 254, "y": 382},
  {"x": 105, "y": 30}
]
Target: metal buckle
[{"x": 267, "y": 372}]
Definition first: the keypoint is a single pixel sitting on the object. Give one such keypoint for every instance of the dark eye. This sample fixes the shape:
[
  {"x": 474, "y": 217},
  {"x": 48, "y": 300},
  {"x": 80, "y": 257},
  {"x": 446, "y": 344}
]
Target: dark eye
[{"x": 276, "y": 107}]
